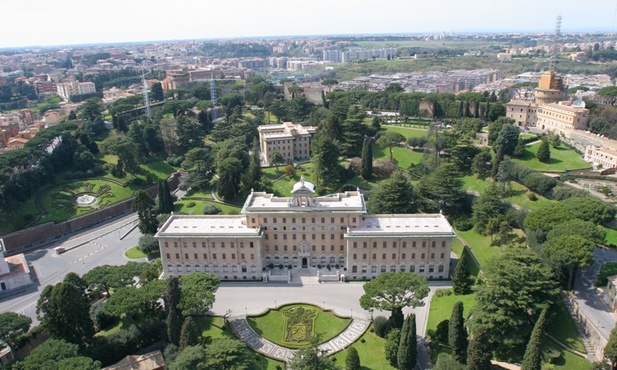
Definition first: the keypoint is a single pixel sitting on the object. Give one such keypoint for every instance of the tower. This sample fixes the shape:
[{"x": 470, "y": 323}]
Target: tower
[
  {"x": 555, "y": 46},
  {"x": 146, "y": 97},
  {"x": 213, "y": 98}
]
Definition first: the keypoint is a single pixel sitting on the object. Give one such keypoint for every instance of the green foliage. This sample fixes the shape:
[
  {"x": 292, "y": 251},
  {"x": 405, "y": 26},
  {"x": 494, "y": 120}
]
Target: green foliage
[
  {"x": 479, "y": 352},
  {"x": 13, "y": 325},
  {"x": 507, "y": 140},
  {"x": 165, "y": 199},
  {"x": 533, "y": 354},
  {"x": 143, "y": 205},
  {"x": 137, "y": 301},
  {"x": 394, "y": 290},
  {"x": 444, "y": 189},
  {"x": 457, "y": 334},
  {"x": 391, "y": 346},
  {"x": 393, "y": 195},
  {"x": 447, "y": 362},
  {"x": 197, "y": 292},
  {"x": 148, "y": 244},
  {"x": 310, "y": 358},
  {"x": 366, "y": 166},
  {"x": 100, "y": 317},
  {"x": 515, "y": 285},
  {"x": 586, "y": 209},
  {"x": 381, "y": 326},
  {"x": 189, "y": 334},
  {"x": 585, "y": 229},
  {"x": 610, "y": 350},
  {"x": 544, "y": 152},
  {"x": 64, "y": 311},
  {"x": 463, "y": 280},
  {"x": 230, "y": 172},
  {"x": 389, "y": 140},
  {"x": 569, "y": 253},
  {"x": 407, "y": 355},
  {"x": 229, "y": 354},
  {"x": 352, "y": 360},
  {"x": 57, "y": 354},
  {"x": 192, "y": 357},
  {"x": 487, "y": 206},
  {"x": 325, "y": 151},
  {"x": 174, "y": 326}
]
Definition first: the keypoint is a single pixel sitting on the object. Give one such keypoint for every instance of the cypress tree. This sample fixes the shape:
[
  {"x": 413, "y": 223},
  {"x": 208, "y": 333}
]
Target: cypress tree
[
  {"x": 188, "y": 335},
  {"x": 352, "y": 361},
  {"x": 457, "y": 335},
  {"x": 462, "y": 281},
  {"x": 407, "y": 355},
  {"x": 166, "y": 202},
  {"x": 533, "y": 354},
  {"x": 479, "y": 352},
  {"x": 396, "y": 319},
  {"x": 174, "y": 326},
  {"x": 391, "y": 346},
  {"x": 544, "y": 152},
  {"x": 366, "y": 166},
  {"x": 172, "y": 293}
]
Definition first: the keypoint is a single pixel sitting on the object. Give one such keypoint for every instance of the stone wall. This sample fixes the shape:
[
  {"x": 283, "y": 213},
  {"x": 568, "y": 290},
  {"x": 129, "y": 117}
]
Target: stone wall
[
  {"x": 41, "y": 235},
  {"x": 595, "y": 339}
]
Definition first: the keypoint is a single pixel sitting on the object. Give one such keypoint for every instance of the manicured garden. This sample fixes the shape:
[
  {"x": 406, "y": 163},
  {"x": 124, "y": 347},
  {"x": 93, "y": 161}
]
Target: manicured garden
[
  {"x": 406, "y": 131},
  {"x": 562, "y": 159},
  {"x": 481, "y": 245},
  {"x": 134, "y": 253},
  {"x": 293, "y": 326},
  {"x": 371, "y": 350}
]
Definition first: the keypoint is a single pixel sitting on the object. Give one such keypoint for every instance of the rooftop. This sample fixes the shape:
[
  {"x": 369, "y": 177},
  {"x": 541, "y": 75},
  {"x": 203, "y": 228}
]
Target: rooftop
[
  {"x": 348, "y": 201},
  {"x": 203, "y": 225},
  {"x": 403, "y": 224}
]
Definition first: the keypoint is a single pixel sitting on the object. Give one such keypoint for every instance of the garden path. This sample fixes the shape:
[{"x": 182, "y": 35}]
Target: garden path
[{"x": 243, "y": 330}]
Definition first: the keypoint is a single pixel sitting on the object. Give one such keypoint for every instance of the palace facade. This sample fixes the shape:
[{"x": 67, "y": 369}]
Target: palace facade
[{"x": 304, "y": 231}]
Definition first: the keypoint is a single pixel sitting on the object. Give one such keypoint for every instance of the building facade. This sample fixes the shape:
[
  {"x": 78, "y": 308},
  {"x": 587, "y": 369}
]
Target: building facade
[
  {"x": 68, "y": 89},
  {"x": 523, "y": 112},
  {"x": 562, "y": 117},
  {"x": 304, "y": 231},
  {"x": 293, "y": 141},
  {"x": 601, "y": 156}
]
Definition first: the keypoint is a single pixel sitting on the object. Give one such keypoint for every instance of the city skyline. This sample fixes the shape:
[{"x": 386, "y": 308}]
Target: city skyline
[{"x": 68, "y": 22}]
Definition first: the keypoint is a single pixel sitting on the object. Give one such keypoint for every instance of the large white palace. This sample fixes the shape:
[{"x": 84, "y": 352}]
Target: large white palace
[{"x": 304, "y": 231}]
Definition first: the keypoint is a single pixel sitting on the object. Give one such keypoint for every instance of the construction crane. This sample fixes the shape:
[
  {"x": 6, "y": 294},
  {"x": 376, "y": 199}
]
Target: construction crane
[
  {"x": 555, "y": 46},
  {"x": 213, "y": 97},
  {"x": 145, "y": 92}
]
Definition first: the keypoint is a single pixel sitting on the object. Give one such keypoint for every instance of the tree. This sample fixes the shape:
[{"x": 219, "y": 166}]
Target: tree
[
  {"x": 585, "y": 229},
  {"x": 173, "y": 294},
  {"x": 143, "y": 205},
  {"x": 76, "y": 280},
  {"x": 516, "y": 285},
  {"x": 198, "y": 291},
  {"x": 447, "y": 362},
  {"x": 569, "y": 253},
  {"x": 610, "y": 350},
  {"x": 148, "y": 244},
  {"x": 495, "y": 111},
  {"x": 462, "y": 281},
  {"x": 481, "y": 164},
  {"x": 444, "y": 188},
  {"x": 507, "y": 139},
  {"x": 325, "y": 153},
  {"x": 229, "y": 172},
  {"x": 533, "y": 354},
  {"x": 391, "y": 291},
  {"x": 389, "y": 140},
  {"x": 311, "y": 358},
  {"x": 91, "y": 109},
  {"x": 366, "y": 166},
  {"x": 63, "y": 311},
  {"x": 188, "y": 335},
  {"x": 157, "y": 91},
  {"x": 479, "y": 352},
  {"x": 126, "y": 150},
  {"x": 276, "y": 158},
  {"x": 12, "y": 325},
  {"x": 457, "y": 334},
  {"x": 352, "y": 360},
  {"x": 174, "y": 325},
  {"x": 488, "y": 205},
  {"x": 544, "y": 152},
  {"x": 394, "y": 195},
  {"x": 165, "y": 199},
  {"x": 58, "y": 354},
  {"x": 391, "y": 346},
  {"x": 199, "y": 162},
  {"x": 192, "y": 357},
  {"x": 407, "y": 355},
  {"x": 230, "y": 354}
]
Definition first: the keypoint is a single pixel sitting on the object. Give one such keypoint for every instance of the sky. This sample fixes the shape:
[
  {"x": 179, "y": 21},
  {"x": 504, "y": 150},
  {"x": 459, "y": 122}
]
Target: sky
[{"x": 65, "y": 22}]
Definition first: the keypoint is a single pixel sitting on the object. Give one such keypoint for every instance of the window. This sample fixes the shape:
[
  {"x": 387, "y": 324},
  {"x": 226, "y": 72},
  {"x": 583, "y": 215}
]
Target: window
[
  {"x": 355, "y": 244},
  {"x": 184, "y": 244},
  {"x": 175, "y": 244},
  {"x": 393, "y": 244},
  {"x": 177, "y": 256},
  {"x": 314, "y": 248},
  {"x": 385, "y": 245},
  {"x": 293, "y": 220},
  {"x": 195, "y": 256},
  {"x": 413, "y": 244},
  {"x": 303, "y": 220},
  {"x": 231, "y": 245},
  {"x": 374, "y": 244},
  {"x": 267, "y": 236},
  {"x": 265, "y": 220},
  {"x": 224, "y": 256},
  {"x": 403, "y": 256},
  {"x": 383, "y": 256},
  {"x": 393, "y": 256},
  {"x": 293, "y": 236},
  {"x": 355, "y": 256},
  {"x": 241, "y": 244},
  {"x": 323, "y": 220},
  {"x": 433, "y": 244},
  {"x": 253, "y": 220},
  {"x": 167, "y": 256},
  {"x": 212, "y": 245},
  {"x": 203, "y": 244},
  {"x": 364, "y": 244},
  {"x": 252, "y": 256},
  {"x": 331, "y": 248},
  {"x": 284, "y": 220},
  {"x": 251, "y": 245},
  {"x": 331, "y": 236},
  {"x": 363, "y": 256},
  {"x": 424, "y": 244},
  {"x": 341, "y": 236},
  {"x": 285, "y": 248},
  {"x": 374, "y": 256},
  {"x": 443, "y": 255},
  {"x": 313, "y": 237},
  {"x": 205, "y": 256},
  {"x": 323, "y": 248},
  {"x": 412, "y": 268},
  {"x": 233, "y": 256},
  {"x": 274, "y": 220},
  {"x": 403, "y": 269},
  {"x": 440, "y": 269},
  {"x": 353, "y": 220},
  {"x": 421, "y": 269},
  {"x": 194, "y": 244},
  {"x": 166, "y": 245},
  {"x": 423, "y": 255},
  {"x": 213, "y": 256},
  {"x": 276, "y": 248},
  {"x": 323, "y": 236},
  {"x": 431, "y": 268},
  {"x": 354, "y": 269},
  {"x": 342, "y": 220},
  {"x": 312, "y": 220},
  {"x": 392, "y": 268},
  {"x": 413, "y": 256},
  {"x": 383, "y": 268},
  {"x": 276, "y": 236},
  {"x": 432, "y": 255},
  {"x": 332, "y": 220},
  {"x": 284, "y": 236},
  {"x": 404, "y": 244},
  {"x": 443, "y": 244},
  {"x": 241, "y": 255}
]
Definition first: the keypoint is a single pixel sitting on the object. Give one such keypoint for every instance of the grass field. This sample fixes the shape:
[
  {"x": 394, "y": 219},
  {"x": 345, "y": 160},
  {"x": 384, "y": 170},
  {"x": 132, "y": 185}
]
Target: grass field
[
  {"x": 441, "y": 308},
  {"x": 568, "y": 360},
  {"x": 611, "y": 236},
  {"x": 562, "y": 327},
  {"x": 371, "y": 352},
  {"x": 518, "y": 195},
  {"x": 272, "y": 326},
  {"x": 562, "y": 159},
  {"x": 405, "y": 131},
  {"x": 160, "y": 169},
  {"x": 480, "y": 245},
  {"x": 185, "y": 207},
  {"x": 134, "y": 253}
]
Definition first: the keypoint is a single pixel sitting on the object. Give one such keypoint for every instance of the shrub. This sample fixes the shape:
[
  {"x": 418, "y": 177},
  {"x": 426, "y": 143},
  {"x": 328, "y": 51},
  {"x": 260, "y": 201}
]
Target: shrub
[
  {"x": 443, "y": 292},
  {"x": 539, "y": 182},
  {"x": 441, "y": 333},
  {"x": 565, "y": 192},
  {"x": 463, "y": 223},
  {"x": 100, "y": 318},
  {"x": 211, "y": 210},
  {"x": 191, "y": 204},
  {"x": 148, "y": 244},
  {"x": 175, "y": 161},
  {"x": 381, "y": 325},
  {"x": 532, "y": 196}
]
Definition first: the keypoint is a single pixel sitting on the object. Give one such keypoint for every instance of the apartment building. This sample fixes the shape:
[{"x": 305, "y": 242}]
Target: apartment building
[
  {"x": 601, "y": 156},
  {"x": 68, "y": 89},
  {"x": 523, "y": 112},
  {"x": 304, "y": 231},
  {"x": 292, "y": 140},
  {"x": 562, "y": 117}
]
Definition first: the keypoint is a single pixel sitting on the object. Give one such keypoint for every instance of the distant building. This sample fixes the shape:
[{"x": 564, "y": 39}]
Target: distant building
[
  {"x": 293, "y": 141},
  {"x": 148, "y": 361},
  {"x": 610, "y": 293},
  {"x": 14, "y": 273},
  {"x": 504, "y": 57},
  {"x": 306, "y": 232},
  {"x": 550, "y": 89},
  {"x": 561, "y": 117},
  {"x": 523, "y": 112},
  {"x": 601, "y": 156},
  {"x": 68, "y": 89}
]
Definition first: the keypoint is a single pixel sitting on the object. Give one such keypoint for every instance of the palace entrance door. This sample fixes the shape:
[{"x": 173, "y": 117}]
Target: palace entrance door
[{"x": 304, "y": 262}]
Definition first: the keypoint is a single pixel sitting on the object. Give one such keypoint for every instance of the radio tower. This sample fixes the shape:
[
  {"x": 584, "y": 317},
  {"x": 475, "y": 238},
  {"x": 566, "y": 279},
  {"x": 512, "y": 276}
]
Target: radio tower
[
  {"x": 146, "y": 97},
  {"x": 555, "y": 46},
  {"x": 213, "y": 97}
]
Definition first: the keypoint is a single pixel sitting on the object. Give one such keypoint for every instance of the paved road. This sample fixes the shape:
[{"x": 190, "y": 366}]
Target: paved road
[
  {"x": 91, "y": 248},
  {"x": 587, "y": 297}
]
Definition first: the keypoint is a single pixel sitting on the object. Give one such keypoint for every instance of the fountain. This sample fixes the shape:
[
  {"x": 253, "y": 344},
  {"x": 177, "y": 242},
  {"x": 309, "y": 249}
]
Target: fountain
[{"x": 85, "y": 200}]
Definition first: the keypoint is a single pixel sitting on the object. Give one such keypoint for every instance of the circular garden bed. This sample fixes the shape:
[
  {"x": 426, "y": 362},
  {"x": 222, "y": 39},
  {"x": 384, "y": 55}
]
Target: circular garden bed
[{"x": 295, "y": 325}]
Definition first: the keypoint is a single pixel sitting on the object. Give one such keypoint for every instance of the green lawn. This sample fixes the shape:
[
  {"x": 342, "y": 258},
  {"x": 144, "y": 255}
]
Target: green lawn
[
  {"x": 371, "y": 352},
  {"x": 611, "y": 236},
  {"x": 518, "y": 195},
  {"x": 406, "y": 131},
  {"x": 214, "y": 327},
  {"x": 134, "y": 253},
  {"x": 405, "y": 157},
  {"x": 607, "y": 269},
  {"x": 441, "y": 308},
  {"x": 562, "y": 327},
  {"x": 562, "y": 159},
  {"x": 271, "y": 326},
  {"x": 183, "y": 207},
  {"x": 160, "y": 169},
  {"x": 568, "y": 360},
  {"x": 457, "y": 247},
  {"x": 282, "y": 187},
  {"x": 480, "y": 245}
]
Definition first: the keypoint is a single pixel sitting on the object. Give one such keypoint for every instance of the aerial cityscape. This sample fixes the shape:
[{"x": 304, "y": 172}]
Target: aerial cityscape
[{"x": 323, "y": 186}]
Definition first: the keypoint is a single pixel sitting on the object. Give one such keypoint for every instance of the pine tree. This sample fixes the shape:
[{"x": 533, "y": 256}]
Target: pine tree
[
  {"x": 352, "y": 361},
  {"x": 407, "y": 355},
  {"x": 366, "y": 169},
  {"x": 457, "y": 335},
  {"x": 188, "y": 334},
  {"x": 544, "y": 151},
  {"x": 479, "y": 352},
  {"x": 174, "y": 326},
  {"x": 172, "y": 293},
  {"x": 396, "y": 319},
  {"x": 462, "y": 281},
  {"x": 166, "y": 202},
  {"x": 533, "y": 354}
]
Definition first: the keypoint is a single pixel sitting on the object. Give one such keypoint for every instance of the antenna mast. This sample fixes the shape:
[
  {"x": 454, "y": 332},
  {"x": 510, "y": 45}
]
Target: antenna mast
[
  {"x": 213, "y": 97},
  {"x": 555, "y": 46},
  {"x": 146, "y": 97}
]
